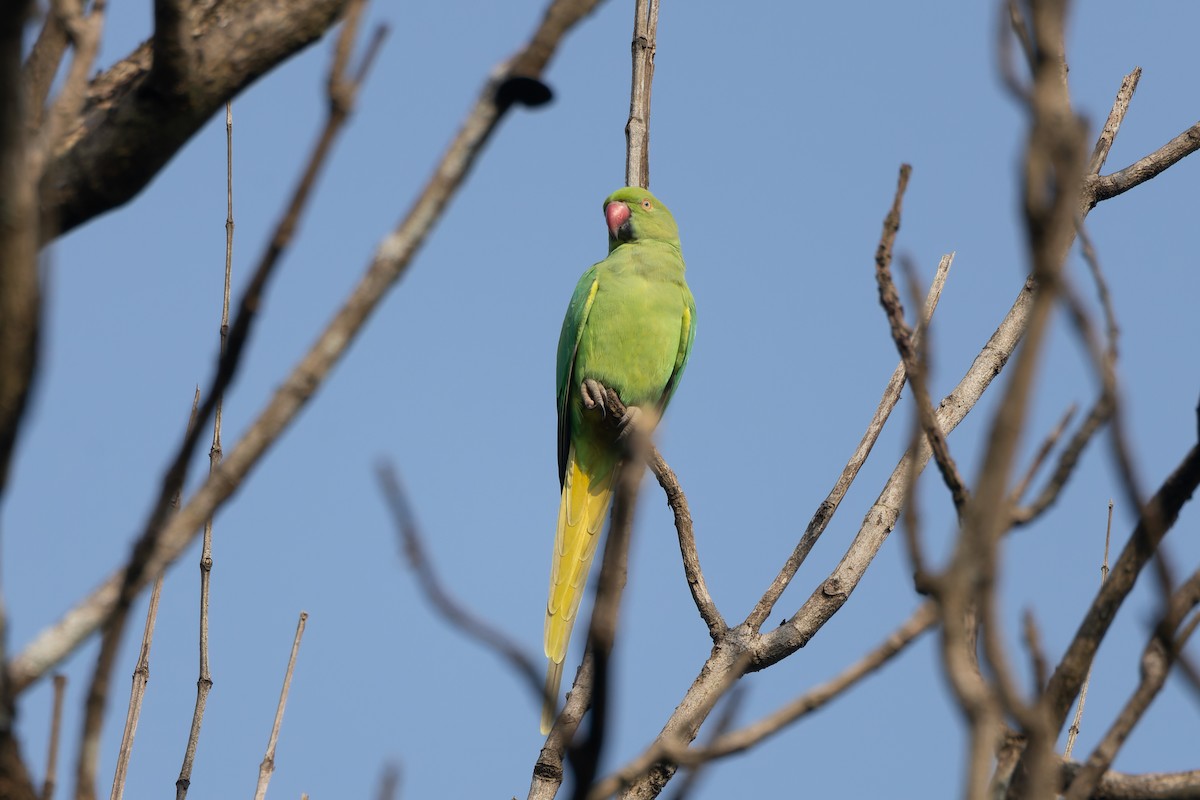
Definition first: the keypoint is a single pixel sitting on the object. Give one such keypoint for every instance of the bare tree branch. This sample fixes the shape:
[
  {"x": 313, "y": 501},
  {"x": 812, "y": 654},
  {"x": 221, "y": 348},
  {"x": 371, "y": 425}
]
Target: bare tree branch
[
  {"x": 1102, "y": 187},
  {"x": 637, "y": 129},
  {"x": 902, "y": 336},
  {"x": 204, "y": 682},
  {"x": 1116, "y": 115},
  {"x": 1043, "y": 452},
  {"x": 137, "y": 694},
  {"x": 1037, "y": 653},
  {"x": 450, "y": 609},
  {"x": 267, "y": 767},
  {"x": 687, "y": 543},
  {"x": 1100, "y": 413},
  {"x": 1073, "y": 731},
  {"x": 1147, "y": 786},
  {"x": 51, "y": 781}
]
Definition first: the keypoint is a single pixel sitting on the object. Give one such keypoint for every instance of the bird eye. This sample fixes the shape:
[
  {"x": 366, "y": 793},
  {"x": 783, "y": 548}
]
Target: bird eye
[{"x": 646, "y": 204}]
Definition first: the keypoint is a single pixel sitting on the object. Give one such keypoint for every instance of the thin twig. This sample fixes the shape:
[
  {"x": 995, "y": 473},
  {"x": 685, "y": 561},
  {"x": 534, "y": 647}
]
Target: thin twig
[
  {"x": 1116, "y": 114},
  {"x": 1037, "y": 653},
  {"x": 677, "y": 500},
  {"x": 922, "y": 580},
  {"x": 137, "y": 694},
  {"x": 637, "y": 129},
  {"x": 453, "y": 612},
  {"x": 49, "y": 784},
  {"x": 1099, "y": 414},
  {"x": 1043, "y": 451},
  {"x": 902, "y": 336},
  {"x": 267, "y": 767},
  {"x": 204, "y": 682},
  {"x": 1073, "y": 731},
  {"x": 391, "y": 261}
]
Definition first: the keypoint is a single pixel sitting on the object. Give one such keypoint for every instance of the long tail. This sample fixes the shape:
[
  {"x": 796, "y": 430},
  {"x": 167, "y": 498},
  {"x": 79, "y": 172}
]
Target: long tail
[{"x": 585, "y": 499}]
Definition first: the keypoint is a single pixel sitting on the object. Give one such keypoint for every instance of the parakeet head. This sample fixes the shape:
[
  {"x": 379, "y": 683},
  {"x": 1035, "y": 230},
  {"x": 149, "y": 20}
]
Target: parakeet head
[{"x": 635, "y": 215}]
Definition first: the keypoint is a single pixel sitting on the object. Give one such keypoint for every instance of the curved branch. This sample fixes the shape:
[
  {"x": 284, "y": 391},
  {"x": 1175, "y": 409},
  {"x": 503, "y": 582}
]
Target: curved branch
[
  {"x": 903, "y": 338},
  {"x": 451, "y": 609},
  {"x": 1102, "y": 187},
  {"x": 687, "y": 544}
]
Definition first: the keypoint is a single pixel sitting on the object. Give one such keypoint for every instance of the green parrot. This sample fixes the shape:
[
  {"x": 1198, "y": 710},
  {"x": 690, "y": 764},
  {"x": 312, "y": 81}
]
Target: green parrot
[{"x": 629, "y": 326}]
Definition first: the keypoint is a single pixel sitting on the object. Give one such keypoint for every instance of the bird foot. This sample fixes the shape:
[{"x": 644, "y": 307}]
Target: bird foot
[{"x": 594, "y": 396}]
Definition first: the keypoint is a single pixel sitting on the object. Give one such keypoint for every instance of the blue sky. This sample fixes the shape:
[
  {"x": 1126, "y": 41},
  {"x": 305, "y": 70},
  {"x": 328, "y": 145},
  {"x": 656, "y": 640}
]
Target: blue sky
[{"x": 776, "y": 137}]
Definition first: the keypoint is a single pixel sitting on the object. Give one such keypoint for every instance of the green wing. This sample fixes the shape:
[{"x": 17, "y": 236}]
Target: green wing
[
  {"x": 687, "y": 335},
  {"x": 568, "y": 344}
]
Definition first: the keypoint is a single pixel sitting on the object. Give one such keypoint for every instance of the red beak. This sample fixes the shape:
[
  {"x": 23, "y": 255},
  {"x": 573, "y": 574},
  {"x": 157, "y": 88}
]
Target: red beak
[{"x": 616, "y": 215}]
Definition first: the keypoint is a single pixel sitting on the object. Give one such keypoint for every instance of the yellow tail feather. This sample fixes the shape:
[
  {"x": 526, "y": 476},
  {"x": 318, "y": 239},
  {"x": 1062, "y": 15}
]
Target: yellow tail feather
[{"x": 585, "y": 501}]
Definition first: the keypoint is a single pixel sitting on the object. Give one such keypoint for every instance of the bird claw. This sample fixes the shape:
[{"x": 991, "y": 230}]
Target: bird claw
[
  {"x": 594, "y": 396},
  {"x": 628, "y": 422}
]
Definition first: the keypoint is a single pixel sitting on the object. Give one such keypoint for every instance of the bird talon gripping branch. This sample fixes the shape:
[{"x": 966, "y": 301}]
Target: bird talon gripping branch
[
  {"x": 629, "y": 329},
  {"x": 594, "y": 396}
]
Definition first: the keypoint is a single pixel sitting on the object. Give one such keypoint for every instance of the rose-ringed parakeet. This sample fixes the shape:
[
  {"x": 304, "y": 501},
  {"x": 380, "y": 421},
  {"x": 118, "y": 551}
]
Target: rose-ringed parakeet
[{"x": 630, "y": 327}]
